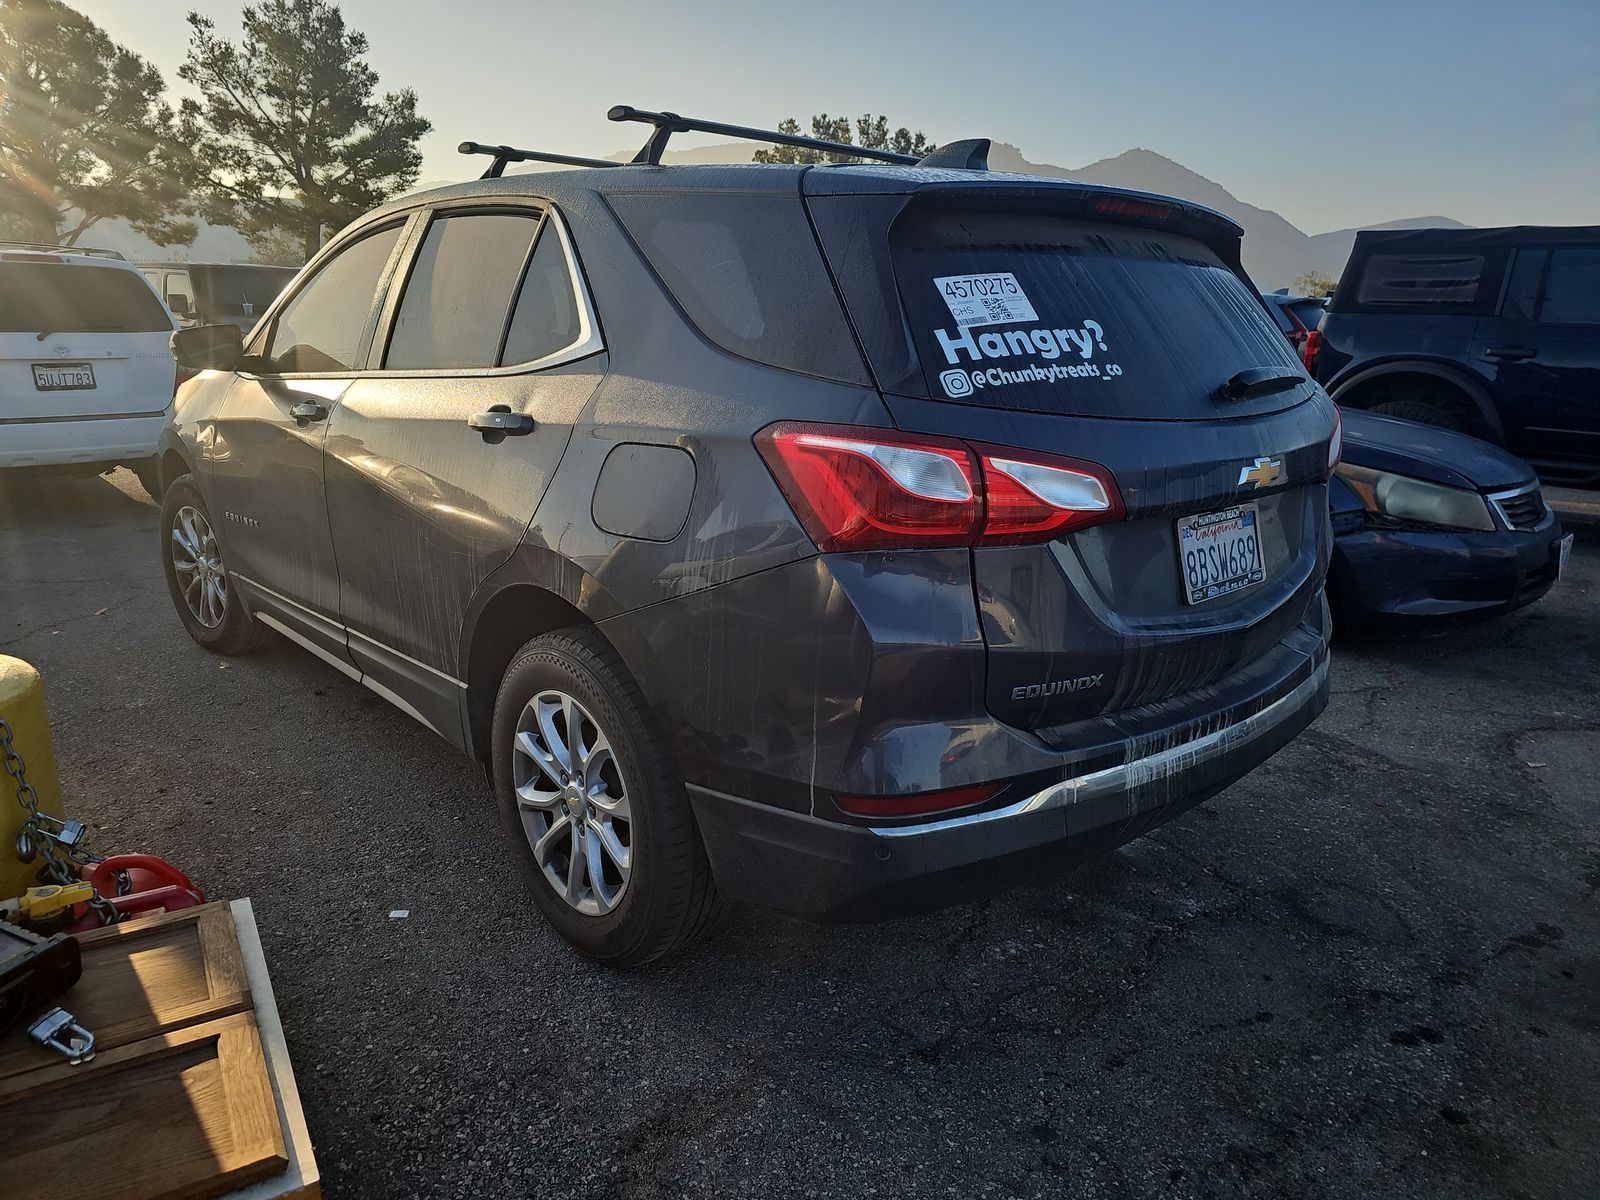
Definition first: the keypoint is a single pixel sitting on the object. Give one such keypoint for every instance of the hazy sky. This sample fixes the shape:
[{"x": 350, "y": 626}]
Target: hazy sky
[{"x": 1333, "y": 114}]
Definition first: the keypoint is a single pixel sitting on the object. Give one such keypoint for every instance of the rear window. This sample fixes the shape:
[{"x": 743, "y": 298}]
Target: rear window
[
  {"x": 747, "y": 271},
  {"x": 73, "y": 298},
  {"x": 1045, "y": 314},
  {"x": 1435, "y": 280},
  {"x": 1572, "y": 289},
  {"x": 238, "y": 288}
]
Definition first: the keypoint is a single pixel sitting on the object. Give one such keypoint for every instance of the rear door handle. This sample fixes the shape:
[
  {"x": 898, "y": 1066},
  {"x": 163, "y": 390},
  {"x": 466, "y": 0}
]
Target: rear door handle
[
  {"x": 309, "y": 410},
  {"x": 1510, "y": 353},
  {"x": 500, "y": 423}
]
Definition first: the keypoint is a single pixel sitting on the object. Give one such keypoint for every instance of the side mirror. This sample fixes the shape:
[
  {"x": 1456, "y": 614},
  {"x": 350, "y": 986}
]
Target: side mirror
[
  {"x": 208, "y": 347},
  {"x": 179, "y": 305}
]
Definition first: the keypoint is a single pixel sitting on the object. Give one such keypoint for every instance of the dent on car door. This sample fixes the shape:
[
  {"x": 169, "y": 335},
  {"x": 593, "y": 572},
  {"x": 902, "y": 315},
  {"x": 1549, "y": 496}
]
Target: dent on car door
[
  {"x": 437, "y": 461},
  {"x": 266, "y": 456}
]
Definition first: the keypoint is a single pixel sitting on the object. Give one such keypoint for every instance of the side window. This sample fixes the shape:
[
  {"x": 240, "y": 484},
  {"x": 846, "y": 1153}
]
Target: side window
[
  {"x": 456, "y": 303},
  {"x": 1445, "y": 280},
  {"x": 322, "y": 326},
  {"x": 545, "y": 318},
  {"x": 1572, "y": 289},
  {"x": 178, "y": 294},
  {"x": 1522, "y": 291}
]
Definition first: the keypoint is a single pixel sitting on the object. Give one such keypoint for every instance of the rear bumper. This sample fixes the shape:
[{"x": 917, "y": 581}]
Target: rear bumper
[
  {"x": 831, "y": 871},
  {"x": 1381, "y": 573},
  {"x": 95, "y": 440}
]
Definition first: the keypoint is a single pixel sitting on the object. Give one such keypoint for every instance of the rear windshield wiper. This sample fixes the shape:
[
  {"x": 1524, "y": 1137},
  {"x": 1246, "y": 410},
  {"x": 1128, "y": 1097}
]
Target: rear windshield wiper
[{"x": 1254, "y": 382}]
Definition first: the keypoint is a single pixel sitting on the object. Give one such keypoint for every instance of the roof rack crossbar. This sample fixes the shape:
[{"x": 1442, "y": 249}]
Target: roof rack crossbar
[
  {"x": 666, "y": 124},
  {"x": 54, "y": 249},
  {"x": 510, "y": 154}
]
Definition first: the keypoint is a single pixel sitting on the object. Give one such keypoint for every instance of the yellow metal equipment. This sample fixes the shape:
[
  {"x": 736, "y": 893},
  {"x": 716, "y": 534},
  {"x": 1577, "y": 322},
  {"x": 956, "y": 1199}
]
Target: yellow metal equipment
[{"x": 22, "y": 706}]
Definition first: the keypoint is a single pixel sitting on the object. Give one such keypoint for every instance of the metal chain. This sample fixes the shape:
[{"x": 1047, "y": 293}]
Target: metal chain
[{"x": 56, "y": 869}]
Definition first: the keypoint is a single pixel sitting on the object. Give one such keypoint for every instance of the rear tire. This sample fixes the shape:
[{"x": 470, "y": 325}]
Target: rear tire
[
  {"x": 568, "y": 701},
  {"x": 208, "y": 603}
]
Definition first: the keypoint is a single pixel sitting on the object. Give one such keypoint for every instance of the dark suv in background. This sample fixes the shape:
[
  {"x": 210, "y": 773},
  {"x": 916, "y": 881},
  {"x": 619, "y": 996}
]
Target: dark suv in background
[
  {"x": 820, "y": 537},
  {"x": 1493, "y": 332}
]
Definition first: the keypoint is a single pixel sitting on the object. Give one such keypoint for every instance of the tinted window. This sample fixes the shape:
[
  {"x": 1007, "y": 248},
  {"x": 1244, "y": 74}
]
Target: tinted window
[
  {"x": 1308, "y": 312},
  {"x": 1572, "y": 289},
  {"x": 1033, "y": 312},
  {"x": 453, "y": 313},
  {"x": 747, "y": 271},
  {"x": 323, "y": 325},
  {"x": 1435, "y": 279},
  {"x": 69, "y": 297},
  {"x": 546, "y": 316},
  {"x": 231, "y": 287},
  {"x": 1522, "y": 290},
  {"x": 1280, "y": 314}
]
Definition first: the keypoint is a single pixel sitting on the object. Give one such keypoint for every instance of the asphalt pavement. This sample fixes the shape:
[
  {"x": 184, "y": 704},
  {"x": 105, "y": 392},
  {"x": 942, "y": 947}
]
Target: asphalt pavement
[{"x": 1370, "y": 969}]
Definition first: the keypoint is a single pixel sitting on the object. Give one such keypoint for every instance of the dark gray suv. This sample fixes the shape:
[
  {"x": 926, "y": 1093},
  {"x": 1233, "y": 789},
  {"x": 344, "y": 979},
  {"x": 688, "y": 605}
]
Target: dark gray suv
[{"x": 828, "y": 538}]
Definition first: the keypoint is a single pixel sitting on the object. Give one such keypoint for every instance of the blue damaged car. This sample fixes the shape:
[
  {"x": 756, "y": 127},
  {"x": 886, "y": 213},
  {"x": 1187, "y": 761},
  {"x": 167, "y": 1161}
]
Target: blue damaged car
[{"x": 1431, "y": 523}]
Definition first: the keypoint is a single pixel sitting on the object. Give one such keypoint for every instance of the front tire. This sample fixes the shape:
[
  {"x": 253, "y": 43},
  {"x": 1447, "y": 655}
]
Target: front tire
[
  {"x": 208, "y": 604},
  {"x": 591, "y": 799}
]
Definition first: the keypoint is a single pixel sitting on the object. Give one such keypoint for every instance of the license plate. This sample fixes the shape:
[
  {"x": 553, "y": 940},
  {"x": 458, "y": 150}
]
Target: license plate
[
  {"x": 1563, "y": 556},
  {"x": 1219, "y": 553},
  {"x": 63, "y": 377}
]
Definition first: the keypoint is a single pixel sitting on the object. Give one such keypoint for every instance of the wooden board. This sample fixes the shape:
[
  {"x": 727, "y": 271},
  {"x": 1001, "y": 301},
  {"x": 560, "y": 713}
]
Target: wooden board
[
  {"x": 144, "y": 978},
  {"x": 182, "y": 1116}
]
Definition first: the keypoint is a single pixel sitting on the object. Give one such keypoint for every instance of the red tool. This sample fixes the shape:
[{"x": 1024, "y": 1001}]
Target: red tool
[{"x": 136, "y": 883}]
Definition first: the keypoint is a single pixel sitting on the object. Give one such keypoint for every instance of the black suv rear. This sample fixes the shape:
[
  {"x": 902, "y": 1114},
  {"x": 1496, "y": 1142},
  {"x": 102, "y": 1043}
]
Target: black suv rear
[
  {"x": 1493, "y": 332},
  {"x": 807, "y": 535}
]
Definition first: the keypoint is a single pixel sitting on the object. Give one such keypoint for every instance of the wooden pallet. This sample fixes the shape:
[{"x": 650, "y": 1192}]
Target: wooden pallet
[{"x": 190, "y": 1094}]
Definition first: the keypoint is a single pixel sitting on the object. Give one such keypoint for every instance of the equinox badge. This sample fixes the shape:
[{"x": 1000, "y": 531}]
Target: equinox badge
[{"x": 1264, "y": 472}]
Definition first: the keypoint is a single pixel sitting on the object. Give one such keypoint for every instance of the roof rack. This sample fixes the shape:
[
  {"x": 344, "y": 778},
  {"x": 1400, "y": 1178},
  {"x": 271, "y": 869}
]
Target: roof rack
[
  {"x": 94, "y": 250},
  {"x": 666, "y": 124},
  {"x": 510, "y": 154},
  {"x": 971, "y": 155}
]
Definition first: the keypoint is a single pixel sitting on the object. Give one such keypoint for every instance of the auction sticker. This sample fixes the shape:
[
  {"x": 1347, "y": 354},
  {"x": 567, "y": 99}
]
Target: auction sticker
[{"x": 996, "y": 299}]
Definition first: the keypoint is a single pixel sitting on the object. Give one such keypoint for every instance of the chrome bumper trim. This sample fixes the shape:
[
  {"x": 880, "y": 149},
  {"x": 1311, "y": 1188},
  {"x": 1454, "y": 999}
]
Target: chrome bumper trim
[{"x": 1137, "y": 772}]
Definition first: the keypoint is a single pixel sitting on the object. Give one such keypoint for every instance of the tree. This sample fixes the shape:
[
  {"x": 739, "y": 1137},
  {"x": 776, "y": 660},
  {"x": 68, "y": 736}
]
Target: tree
[
  {"x": 871, "y": 132},
  {"x": 289, "y": 135},
  {"x": 84, "y": 132},
  {"x": 1315, "y": 284}
]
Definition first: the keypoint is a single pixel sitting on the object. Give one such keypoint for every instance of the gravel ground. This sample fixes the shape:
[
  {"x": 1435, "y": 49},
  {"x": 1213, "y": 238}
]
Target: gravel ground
[{"x": 1368, "y": 970}]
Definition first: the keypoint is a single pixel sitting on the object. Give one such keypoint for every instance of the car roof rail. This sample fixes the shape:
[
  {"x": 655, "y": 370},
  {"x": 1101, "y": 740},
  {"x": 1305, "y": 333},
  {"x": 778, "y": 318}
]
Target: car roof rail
[
  {"x": 667, "y": 123},
  {"x": 510, "y": 154},
  {"x": 92, "y": 250}
]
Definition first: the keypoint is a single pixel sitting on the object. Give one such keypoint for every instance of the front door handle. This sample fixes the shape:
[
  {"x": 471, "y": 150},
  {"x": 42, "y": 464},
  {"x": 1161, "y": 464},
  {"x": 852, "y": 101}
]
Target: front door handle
[
  {"x": 309, "y": 410},
  {"x": 500, "y": 423},
  {"x": 1510, "y": 353}
]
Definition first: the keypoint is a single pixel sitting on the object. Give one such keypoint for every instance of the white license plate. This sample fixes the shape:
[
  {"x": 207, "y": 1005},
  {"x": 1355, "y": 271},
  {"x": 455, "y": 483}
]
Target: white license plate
[
  {"x": 1219, "y": 553},
  {"x": 63, "y": 377},
  {"x": 1563, "y": 556}
]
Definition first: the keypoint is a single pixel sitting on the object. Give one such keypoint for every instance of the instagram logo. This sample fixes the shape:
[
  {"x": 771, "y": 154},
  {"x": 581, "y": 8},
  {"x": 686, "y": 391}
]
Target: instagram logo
[{"x": 955, "y": 383}]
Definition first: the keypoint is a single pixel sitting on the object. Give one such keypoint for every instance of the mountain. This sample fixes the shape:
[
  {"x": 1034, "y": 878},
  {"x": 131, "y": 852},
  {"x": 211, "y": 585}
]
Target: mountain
[{"x": 1275, "y": 252}]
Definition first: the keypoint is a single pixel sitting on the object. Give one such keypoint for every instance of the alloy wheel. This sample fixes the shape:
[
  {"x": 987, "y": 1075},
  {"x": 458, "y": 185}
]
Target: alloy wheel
[
  {"x": 573, "y": 802},
  {"x": 198, "y": 562}
]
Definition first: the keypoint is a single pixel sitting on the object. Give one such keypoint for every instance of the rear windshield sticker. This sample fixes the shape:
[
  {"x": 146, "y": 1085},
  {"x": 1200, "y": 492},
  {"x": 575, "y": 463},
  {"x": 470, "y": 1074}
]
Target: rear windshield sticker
[
  {"x": 993, "y": 299},
  {"x": 1078, "y": 346}
]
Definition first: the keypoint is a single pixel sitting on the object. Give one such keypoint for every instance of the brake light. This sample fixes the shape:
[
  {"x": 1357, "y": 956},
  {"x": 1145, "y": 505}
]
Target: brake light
[
  {"x": 1127, "y": 206},
  {"x": 1034, "y": 498},
  {"x": 856, "y": 489},
  {"x": 1308, "y": 351},
  {"x": 1336, "y": 442},
  {"x": 916, "y": 806},
  {"x": 876, "y": 489}
]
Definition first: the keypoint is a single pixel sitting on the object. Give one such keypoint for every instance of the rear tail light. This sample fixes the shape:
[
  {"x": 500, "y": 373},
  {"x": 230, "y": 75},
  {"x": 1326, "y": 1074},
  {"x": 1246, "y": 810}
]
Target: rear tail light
[
  {"x": 1336, "y": 442},
  {"x": 1308, "y": 351},
  {"x": 873, "y": 489},
  {"x": 916, "y": 806}
]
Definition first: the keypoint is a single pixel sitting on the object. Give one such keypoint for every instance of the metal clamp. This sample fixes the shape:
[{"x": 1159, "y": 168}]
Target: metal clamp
[{"x": 59, "y": 1030}]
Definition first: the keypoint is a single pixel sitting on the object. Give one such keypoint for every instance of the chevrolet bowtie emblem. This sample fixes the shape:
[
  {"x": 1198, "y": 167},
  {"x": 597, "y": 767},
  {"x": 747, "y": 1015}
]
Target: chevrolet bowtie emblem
[{"x": 1264, "y": 472}]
